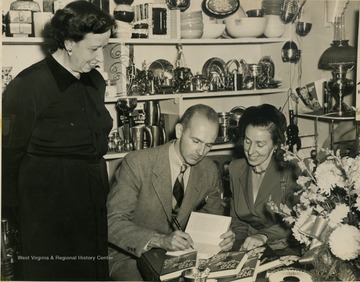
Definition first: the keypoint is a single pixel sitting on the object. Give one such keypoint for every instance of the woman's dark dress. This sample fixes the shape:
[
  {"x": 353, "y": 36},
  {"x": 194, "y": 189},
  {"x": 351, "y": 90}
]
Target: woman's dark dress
[{"x": 55, "y": 134}]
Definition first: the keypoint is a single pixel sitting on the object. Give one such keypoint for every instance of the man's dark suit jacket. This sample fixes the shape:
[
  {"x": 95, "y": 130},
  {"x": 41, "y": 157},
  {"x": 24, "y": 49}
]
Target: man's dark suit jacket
[{"x": 140, "y": 201}]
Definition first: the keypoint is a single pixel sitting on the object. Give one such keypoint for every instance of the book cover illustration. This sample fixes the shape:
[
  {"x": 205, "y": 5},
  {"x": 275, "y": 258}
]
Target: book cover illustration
[
  {"x": 249, "y": 271},
  {"x": 226, "y": 264},
  {"x": 311, "y": 96},
  {"x": 173, "y": 266}
]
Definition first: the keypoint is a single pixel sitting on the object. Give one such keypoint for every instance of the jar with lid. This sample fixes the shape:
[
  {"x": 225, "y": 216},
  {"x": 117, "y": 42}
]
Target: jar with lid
[{"x": 199, "y": 83}]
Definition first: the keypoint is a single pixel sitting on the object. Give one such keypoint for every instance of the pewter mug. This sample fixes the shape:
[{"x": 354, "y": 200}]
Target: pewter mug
[
  {"x": 137, "y": 136},
  {"x": 158, "y": 135}
]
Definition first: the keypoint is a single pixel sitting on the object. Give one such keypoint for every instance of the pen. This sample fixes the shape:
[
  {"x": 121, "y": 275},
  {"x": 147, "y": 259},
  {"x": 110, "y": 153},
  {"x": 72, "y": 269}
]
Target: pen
[{"x": 179, "y": 227}]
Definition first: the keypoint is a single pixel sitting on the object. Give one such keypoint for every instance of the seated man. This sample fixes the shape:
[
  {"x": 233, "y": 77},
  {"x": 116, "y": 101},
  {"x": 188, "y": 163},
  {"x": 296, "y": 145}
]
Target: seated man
[{"x": 142, "y": 202}]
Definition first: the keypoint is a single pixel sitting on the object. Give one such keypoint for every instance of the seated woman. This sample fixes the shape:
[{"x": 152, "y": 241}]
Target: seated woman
[{"x": 260, "y": 175}]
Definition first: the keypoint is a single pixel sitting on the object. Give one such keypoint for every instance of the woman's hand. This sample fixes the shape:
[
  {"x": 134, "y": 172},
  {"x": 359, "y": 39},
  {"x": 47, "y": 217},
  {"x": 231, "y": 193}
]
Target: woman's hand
[
  {"x": 253, "y": 242},
  {"x": 228, "y": 240}
]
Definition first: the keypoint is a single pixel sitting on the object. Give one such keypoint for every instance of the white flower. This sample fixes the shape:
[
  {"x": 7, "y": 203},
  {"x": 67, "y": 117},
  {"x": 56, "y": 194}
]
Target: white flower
[
  {"x": 338, "y": 214},
  {"x": 303, "y": 180},
  {"x": 354, "y": 174},
  {"x": 328, "y": 176},
  {"x": 344, "y": 242},
  {"x": 357, "y": 205},
  {"x": 318, "y": 197},
  {"x": 285, "y": 209}
]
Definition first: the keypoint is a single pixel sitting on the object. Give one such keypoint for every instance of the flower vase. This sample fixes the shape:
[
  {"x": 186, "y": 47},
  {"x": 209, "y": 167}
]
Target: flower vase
[
  {"x": 327, "y": 267},
  {"x": 349, "y": 270}
]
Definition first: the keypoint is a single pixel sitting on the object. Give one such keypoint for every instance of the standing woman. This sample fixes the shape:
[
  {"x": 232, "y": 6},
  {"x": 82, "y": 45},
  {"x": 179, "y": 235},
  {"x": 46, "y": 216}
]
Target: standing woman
[
  {"x": 262, "y": 174},
  {"x": 53, "y": 166}
]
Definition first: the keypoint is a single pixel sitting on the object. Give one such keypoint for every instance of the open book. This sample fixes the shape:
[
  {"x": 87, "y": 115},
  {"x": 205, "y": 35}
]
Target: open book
[{"x": 205, "y": 230}]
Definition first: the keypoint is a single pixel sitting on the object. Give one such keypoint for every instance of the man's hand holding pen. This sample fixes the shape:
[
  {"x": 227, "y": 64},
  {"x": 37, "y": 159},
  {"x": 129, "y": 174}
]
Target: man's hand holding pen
[
  {"x": 188, "y": 238},
  {"x": 177, "y": 241},
  {"x": 180, "y": 240}
]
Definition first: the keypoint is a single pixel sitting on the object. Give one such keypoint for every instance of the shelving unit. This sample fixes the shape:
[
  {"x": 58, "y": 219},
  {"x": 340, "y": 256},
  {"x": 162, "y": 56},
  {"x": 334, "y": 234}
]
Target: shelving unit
[
  {"x": 25, "y": 40},
  {"x": 176, "y": 104},
  {"x": 214, "y": 149},
  {"x": 152, "y": 41},
  {"x": 200, "y": 95},
  {"x": 331, "y": 118}
]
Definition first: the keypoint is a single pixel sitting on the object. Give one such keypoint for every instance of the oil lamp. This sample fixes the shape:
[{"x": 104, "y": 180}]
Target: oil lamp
[{"x": 339, "y": 58}]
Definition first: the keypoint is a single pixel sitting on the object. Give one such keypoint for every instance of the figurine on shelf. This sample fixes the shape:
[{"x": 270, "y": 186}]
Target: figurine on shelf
[
  {"x": 292, "y": 133},
  {"x": 20, "y": 18},
  {"x": 6, "y": 76}
]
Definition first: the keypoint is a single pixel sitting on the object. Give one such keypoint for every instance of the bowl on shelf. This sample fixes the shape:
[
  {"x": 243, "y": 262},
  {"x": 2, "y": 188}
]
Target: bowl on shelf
[
  {"x": 123, "y": 34},
  {"x": 192, "y": 26},
  {"x": 213, "y": 30},
  {"x": 190, "y": 15},
  {"x": 191, "y": 33},
  {"x": 275, "y": 27},
  {"x": 191, "y": 20},
  {"x": 124, "y": 2},
  {"x": 123, "y": 29},
  {"x": 124, "y": 13},
  {"x": 254, "y": 13},
  {"x": 246, "y": 27}
]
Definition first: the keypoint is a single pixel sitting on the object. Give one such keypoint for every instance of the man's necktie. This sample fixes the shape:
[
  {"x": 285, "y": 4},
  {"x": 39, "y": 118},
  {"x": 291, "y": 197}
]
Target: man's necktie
[{"x": 178, "y": 190}]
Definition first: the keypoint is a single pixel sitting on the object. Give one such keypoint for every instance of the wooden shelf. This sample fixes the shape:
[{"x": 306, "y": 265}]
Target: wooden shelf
[
  {"x": 329, "y": 116},
  {"x": 199, "y": 95},
  {"x": 114, "y": 156},
  {"x": 232, "y": 93},
  {"x": 26, "y": 40},
  {"x": 224, "y": 146},
  {"x": 173, "y": 102},
  {"x": 151, "y": 41},
  {"x": 218, "y": 41}
]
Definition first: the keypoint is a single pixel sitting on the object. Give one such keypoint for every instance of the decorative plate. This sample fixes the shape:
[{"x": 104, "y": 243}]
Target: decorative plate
[
  {"x": 214, "y": 65},
  {"x": 162, "y": 69},
  {"x": 289, "y": 274},
  {"x": 268, "y": 66},
  {"x": 220, "y": 8}
]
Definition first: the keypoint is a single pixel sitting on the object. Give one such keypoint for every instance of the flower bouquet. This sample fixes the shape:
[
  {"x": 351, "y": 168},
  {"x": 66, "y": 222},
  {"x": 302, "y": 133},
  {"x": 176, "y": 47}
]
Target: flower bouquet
[{"x": 326, "y": 218}]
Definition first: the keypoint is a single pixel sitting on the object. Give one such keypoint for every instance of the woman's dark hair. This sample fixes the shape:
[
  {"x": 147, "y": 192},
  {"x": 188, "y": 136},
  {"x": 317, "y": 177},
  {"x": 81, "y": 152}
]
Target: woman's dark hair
[
  {"x": 76, "y": 20},
  {"x": 199, "y": 109},
  {"x": 268, "y": 116}
]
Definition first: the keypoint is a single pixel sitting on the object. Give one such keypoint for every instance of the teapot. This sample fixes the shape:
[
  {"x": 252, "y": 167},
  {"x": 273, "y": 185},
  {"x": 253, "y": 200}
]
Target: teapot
[
  {"x": 182, "y": 77},
  {"x": 145, "y": 81},
  {"x": 181, "y": 5},
  {"x": 199, "y": 83}
]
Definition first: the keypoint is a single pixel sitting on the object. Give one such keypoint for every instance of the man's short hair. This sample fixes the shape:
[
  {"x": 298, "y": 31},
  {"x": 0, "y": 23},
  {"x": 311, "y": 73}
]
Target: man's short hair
[{"x": 198, "y": 109}]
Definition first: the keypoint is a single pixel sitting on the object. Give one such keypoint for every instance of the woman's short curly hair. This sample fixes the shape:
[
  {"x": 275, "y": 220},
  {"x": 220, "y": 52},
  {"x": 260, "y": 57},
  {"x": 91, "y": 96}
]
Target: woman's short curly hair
[
  {"x": 267, "y": 116},
  {"x": 77, "y": 19}
]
